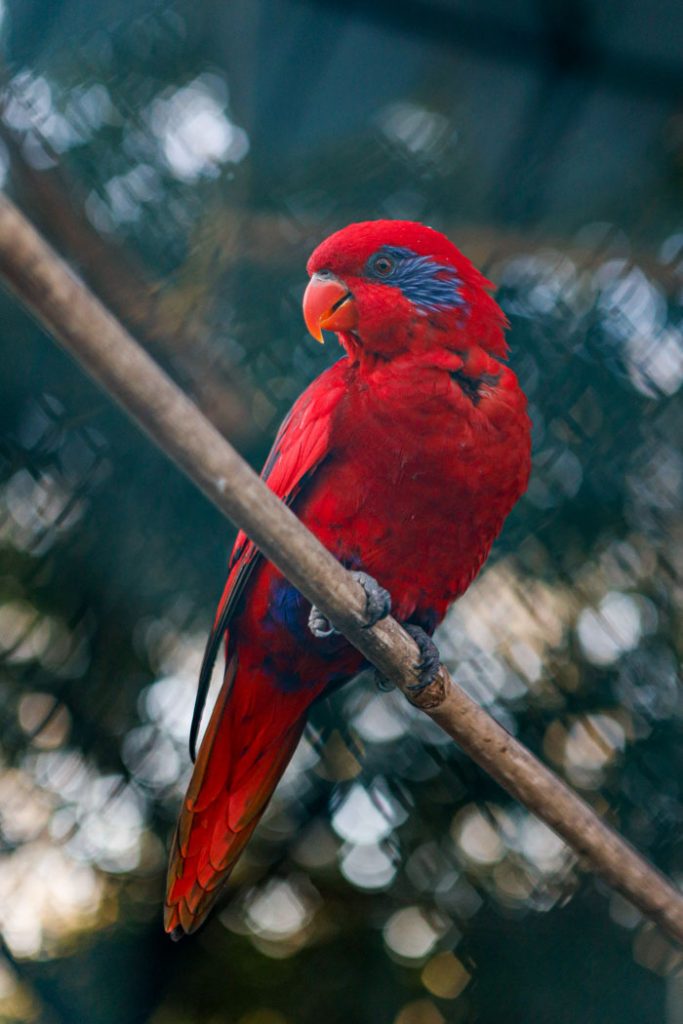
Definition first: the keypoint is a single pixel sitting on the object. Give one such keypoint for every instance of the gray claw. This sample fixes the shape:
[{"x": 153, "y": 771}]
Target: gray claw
[
  {"x": 319, "y": 626},
  {"x": 377, "y": 606},
  {"x": 430, "y": 660},
  {"x": 377, "y": 599}
]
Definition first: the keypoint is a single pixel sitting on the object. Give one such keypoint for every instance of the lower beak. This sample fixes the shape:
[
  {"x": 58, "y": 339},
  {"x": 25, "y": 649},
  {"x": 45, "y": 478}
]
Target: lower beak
[{"x": 329, "y": 305}]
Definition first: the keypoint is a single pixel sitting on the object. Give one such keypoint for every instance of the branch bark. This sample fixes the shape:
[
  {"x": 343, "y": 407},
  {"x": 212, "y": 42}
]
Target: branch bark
[{"x": 43, "y": 283}]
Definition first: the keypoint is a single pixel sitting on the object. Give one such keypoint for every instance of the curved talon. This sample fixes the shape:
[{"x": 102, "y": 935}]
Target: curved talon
[
  {"x": 377, "y": 606},
  {"x": 430, "y": 660},
  {"x": 377, "y": 599},
  {"x": 319, "y": 626}
]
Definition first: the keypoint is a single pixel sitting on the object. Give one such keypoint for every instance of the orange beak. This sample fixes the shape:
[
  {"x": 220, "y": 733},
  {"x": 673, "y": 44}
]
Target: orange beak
[{"x": 328, "y": 304}]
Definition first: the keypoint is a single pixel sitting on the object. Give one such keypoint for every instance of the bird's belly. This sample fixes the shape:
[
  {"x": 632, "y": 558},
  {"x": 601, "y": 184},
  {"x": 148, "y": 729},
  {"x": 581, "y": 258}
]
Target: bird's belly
[{"x": 422, "y": 527}]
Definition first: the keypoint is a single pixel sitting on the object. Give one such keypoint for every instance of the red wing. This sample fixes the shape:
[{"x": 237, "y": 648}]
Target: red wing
[{"x": 302, "y": 442}]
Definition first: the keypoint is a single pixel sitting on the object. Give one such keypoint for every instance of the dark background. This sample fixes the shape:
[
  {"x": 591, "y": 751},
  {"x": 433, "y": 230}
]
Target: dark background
[{"x": 186, "y": 158}]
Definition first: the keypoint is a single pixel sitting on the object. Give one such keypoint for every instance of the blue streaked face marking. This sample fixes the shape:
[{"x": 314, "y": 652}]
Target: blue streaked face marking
[{"x": 428, "y": 285}]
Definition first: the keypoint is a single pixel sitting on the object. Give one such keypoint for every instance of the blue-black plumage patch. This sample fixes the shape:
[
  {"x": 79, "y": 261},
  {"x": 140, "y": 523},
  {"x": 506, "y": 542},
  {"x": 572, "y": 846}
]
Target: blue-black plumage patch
[
  {"x": 285, "y": 606},
  {"x": 428, "y": 285}
]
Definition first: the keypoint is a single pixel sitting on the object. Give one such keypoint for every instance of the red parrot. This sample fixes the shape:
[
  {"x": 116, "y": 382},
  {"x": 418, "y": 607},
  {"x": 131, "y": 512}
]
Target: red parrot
[{"x": 403, "y": 458}]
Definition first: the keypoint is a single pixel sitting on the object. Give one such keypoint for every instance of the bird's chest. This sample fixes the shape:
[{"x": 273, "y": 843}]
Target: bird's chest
[{"x": 411, "y": 492}]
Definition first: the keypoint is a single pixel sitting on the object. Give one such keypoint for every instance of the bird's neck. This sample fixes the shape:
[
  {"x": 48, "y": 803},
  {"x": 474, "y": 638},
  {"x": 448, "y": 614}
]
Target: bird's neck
[{"x": 424, "y": 343}]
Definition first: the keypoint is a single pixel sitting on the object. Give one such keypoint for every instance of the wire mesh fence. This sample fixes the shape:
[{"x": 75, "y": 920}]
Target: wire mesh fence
[{"x": 390, "y": 879}]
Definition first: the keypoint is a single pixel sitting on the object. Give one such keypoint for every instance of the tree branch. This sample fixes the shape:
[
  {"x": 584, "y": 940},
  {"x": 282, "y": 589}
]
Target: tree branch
[{"x": 43, "y": 283}]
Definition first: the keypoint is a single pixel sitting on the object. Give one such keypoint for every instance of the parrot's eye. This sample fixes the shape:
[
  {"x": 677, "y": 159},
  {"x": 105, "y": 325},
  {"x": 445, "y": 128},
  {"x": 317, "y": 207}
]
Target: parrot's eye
[{"x": 383, "y": 265}]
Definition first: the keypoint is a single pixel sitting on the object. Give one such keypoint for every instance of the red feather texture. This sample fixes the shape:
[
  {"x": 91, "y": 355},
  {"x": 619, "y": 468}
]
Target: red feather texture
[{"x": 404, "y": 458}]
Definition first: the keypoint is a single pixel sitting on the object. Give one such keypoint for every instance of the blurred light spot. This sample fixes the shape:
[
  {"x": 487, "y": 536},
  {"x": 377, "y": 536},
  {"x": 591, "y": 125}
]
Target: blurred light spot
[
  {"x": 38, "y": 507},
  {"x": 421, "y": 1011},
  {"x": 592, "y": 743},
  {"x": 671, "y": 247},
  {"x": 655, "y": 362},
  {"x": 623, "y": 912},
  {"x": 445, "y": 976},
  {"x": 360, "y": 819},
  {"x": 151, "y": 757},
  {"x": 4, "y": 162},
  {"x": 18, "y": 622},
  {"x": 62, "y": 772},
  {"x": 476, "y": 837},
  {"x": 88, "y": 108},
  {"x": 420, "y": 131},
  {"x": 28, "y": 102},
  {"x": 24, "y": 808},
  {"x": 43, "y": 718},
  {"x": 195, "y": 132},
  {"x": 44, "y": 897},
  {"x": 648, "y": 683},
  {"x": 368, "y": 867},
  {"x": 281, "y": 909},
  {"x": 652, "y": 950},
  {"x": 411, "y": 935},
  {"x": 169, "y": 703},
  {"x": 614, "y": 628},
  {"x": 110, "y": 822},
  {"x": 502, "y": 609},
  {"x": 543, "y": 283},
  {"x": 380, "y": 721},
  {"x": 513, "y": 884},
  {"x": 338, "y": 762},
  {"x": 540, "y": 845},
  {"x": 527, "y": 660},
  {"x": 16, "y": 1002},
  {"x": 629, "y": 300}
]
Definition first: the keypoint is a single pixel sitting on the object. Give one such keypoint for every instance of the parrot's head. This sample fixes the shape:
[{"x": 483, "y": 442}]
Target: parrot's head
[{"x": 390, "y": 286}]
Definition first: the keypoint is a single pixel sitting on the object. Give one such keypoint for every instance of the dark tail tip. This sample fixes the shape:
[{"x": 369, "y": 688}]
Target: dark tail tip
[{"x": 177, "y": 933}]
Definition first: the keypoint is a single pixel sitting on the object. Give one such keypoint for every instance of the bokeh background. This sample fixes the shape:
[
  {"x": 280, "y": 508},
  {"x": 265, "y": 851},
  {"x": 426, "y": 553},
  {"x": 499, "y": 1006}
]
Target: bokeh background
[{"x": 186, "y": 157}]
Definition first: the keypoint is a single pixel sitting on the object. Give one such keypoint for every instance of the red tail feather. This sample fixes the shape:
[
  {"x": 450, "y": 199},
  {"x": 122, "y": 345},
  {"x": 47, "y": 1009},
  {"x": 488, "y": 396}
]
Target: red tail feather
[{"x": 241, "y": 759}]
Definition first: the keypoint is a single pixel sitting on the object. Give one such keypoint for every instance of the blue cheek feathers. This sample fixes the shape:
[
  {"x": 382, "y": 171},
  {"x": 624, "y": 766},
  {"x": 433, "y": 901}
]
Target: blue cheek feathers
[{"x": 428, "y": 285}]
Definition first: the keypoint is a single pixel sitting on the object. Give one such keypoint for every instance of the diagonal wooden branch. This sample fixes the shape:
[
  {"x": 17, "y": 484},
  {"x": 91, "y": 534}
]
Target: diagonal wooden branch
[{"x": 44, "y": 283}]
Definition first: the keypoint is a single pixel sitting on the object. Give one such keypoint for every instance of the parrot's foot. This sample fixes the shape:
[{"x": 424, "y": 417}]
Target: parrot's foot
[
  {"x": 377, "y": 599},
  {"x": 427, "y": 666},
  {"x": 377, "y": 606},
  {"x": 430, "y": 660}
]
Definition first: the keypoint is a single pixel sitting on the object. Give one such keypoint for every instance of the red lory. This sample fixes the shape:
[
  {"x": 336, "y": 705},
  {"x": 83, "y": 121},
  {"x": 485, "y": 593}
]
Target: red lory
[{"x": 403, "y": 458}]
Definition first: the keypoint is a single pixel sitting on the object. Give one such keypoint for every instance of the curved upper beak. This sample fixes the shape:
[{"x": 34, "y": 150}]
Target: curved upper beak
[{"x": 328, "y": 304}]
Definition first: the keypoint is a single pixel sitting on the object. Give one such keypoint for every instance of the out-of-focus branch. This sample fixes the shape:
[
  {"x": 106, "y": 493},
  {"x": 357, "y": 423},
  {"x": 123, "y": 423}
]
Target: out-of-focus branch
[{"x": 43, "y": 283}]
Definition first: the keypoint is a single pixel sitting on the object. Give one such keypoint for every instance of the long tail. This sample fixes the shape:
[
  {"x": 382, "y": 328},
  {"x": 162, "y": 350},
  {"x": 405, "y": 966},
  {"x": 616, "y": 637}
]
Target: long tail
[{"x": 250, "y": 739}]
